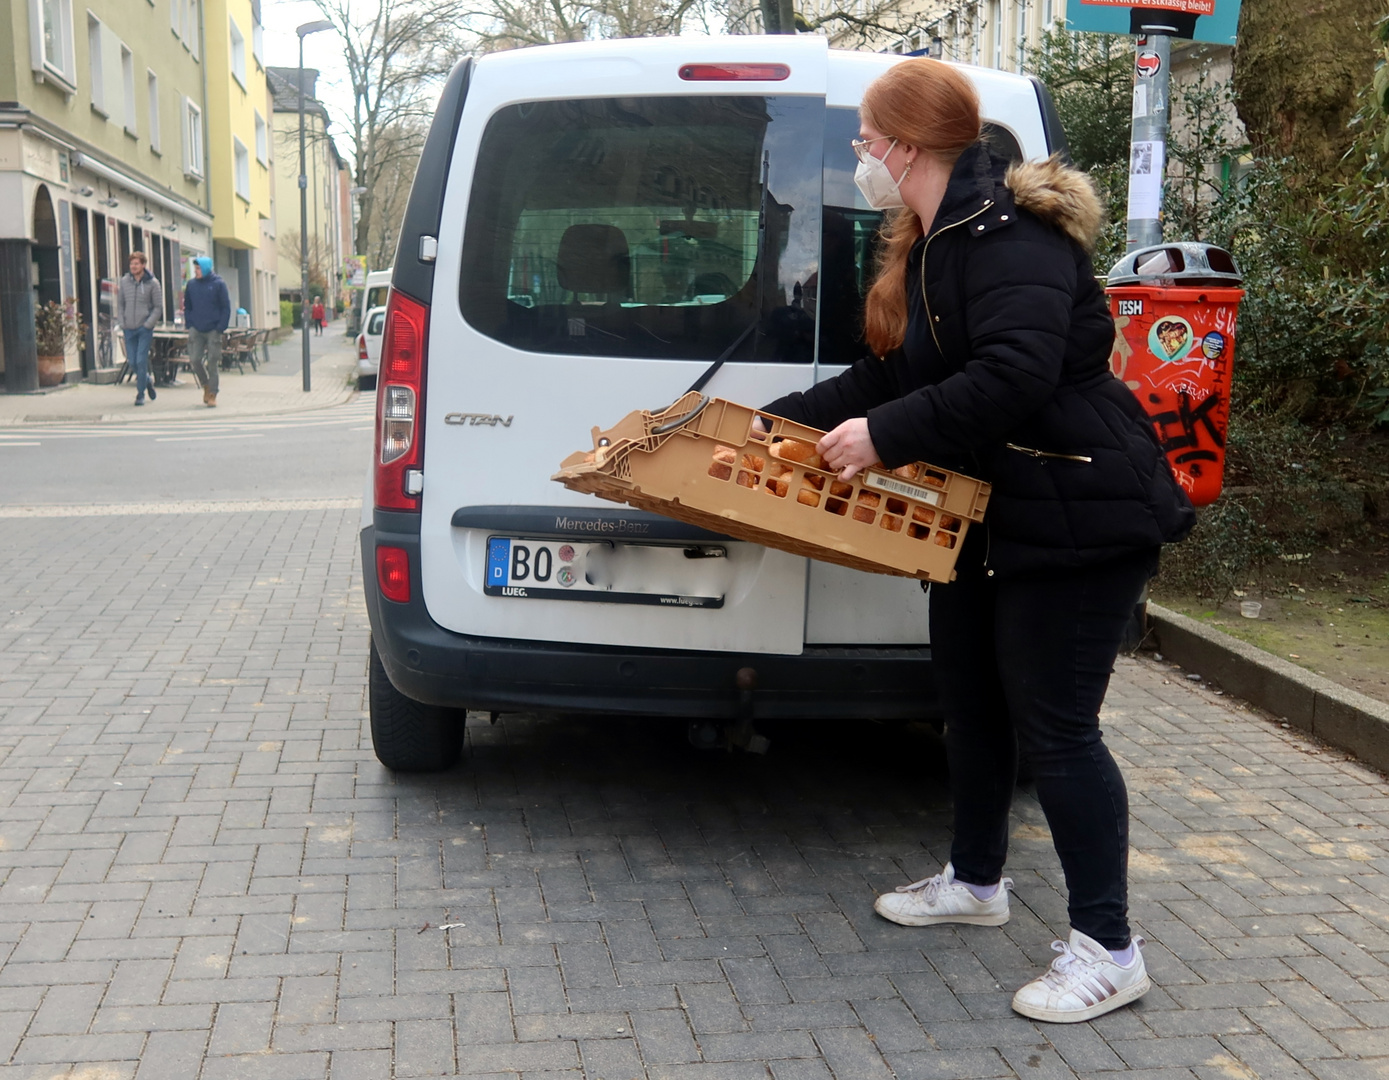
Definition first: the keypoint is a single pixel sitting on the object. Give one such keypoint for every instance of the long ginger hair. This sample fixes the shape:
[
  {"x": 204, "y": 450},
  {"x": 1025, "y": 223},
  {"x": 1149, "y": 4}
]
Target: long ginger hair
[{"x": 933, "y": 106}]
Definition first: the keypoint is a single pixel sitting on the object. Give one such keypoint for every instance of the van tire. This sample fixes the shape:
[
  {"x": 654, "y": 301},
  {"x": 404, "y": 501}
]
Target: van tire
[{"x": 407, "y": 735}]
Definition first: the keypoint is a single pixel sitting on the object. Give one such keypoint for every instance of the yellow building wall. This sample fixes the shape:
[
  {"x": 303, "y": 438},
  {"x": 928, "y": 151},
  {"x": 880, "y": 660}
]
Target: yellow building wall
[
  {"x": 321, "y": 169},
  {"x": 144, "y": 29},
  {"x": 232, "y": 109}
]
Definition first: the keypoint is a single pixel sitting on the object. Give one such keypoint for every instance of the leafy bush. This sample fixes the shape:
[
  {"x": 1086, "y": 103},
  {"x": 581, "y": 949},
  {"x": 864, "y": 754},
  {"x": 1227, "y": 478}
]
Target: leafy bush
[
  {"x": 286, "y": 313},
  {"x": 58, "y": 327},
  {"x": 1284, "y": 492}
]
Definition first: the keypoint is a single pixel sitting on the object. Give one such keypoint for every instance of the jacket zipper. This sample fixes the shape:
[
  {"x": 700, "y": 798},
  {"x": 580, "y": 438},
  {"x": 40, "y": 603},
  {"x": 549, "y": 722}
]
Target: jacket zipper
[
  {"x": 1048, "y": 454},
  {"x": 930, "y": 319}
]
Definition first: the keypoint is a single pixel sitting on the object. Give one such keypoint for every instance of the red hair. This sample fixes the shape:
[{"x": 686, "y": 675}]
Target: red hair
[{"x": 933, "y": 106}]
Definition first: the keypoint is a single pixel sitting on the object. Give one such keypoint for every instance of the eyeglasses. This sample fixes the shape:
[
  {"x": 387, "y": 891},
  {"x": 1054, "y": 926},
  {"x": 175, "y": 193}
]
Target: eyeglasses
[{"x": 861, "y": 145}]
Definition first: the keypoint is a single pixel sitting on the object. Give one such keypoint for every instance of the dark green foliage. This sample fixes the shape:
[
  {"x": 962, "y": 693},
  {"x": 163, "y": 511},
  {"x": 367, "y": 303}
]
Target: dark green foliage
[
  {"x": 1090, "y": 77},
  {"x": 1284, "y": 490}
]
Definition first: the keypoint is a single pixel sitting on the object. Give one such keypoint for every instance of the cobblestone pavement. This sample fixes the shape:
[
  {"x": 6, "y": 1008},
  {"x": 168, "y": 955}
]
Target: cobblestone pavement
[{"x": 204, "y": 873}]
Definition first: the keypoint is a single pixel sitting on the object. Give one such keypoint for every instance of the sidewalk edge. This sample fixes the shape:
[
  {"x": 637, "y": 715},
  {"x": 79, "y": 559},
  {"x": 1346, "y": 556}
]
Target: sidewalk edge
[{"x": 1333, "y": 713}]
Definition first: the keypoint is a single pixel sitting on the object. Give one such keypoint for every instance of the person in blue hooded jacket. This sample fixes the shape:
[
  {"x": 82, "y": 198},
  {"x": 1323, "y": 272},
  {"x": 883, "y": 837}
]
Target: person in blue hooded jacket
[{"x": 206, "y": 313}]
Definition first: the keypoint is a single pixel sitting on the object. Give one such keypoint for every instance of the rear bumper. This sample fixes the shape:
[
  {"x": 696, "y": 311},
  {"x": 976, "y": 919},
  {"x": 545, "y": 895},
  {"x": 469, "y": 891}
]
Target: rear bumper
[{"x": 430, "y": 664}]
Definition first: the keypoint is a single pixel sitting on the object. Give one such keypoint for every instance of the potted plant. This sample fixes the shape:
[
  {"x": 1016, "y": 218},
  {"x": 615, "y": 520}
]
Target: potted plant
[{"x": 57, "y": 327}]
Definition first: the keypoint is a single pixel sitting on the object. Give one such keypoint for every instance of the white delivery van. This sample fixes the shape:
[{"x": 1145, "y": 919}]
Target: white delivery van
[
  {"x": 378, "y": 289},
  {"x": 592, "y": 227}
]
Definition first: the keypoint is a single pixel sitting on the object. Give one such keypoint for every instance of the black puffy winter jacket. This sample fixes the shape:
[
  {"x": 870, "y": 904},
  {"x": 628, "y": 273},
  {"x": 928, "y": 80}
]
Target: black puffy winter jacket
[{"x": 1004, "y": 374}]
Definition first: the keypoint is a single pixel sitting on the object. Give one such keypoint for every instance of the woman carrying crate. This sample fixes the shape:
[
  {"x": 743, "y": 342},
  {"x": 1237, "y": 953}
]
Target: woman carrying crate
[{"x": 991, "y": 342}]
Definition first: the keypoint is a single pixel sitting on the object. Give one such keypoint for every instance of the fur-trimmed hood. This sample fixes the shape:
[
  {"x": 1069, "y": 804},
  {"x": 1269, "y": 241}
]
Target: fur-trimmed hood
[{"x": 1060, "y": 195}]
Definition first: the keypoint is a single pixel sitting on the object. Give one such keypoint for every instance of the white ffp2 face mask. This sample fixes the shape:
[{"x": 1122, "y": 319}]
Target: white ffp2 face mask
[{"x": 875, "y": 180}]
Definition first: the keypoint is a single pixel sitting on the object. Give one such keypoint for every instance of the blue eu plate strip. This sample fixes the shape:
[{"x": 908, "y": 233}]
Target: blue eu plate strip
[{"x": 498, "y": 560}]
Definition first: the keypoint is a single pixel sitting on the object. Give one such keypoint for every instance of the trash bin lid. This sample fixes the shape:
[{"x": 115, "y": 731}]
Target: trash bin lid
[{"x": 1178, "y": 264}]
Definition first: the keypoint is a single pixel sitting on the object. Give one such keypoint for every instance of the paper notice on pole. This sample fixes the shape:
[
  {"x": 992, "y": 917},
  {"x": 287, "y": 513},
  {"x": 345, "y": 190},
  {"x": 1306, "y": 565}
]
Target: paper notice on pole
[
  {"x": 1140, "y": 101},
  {"x": 1145, "y": 180}
]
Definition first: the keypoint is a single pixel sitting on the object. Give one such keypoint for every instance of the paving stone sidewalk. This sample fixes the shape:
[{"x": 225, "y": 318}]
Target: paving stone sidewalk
[
  {"x": 205, "y": 874},
  {"x": 276, "y": 387}
]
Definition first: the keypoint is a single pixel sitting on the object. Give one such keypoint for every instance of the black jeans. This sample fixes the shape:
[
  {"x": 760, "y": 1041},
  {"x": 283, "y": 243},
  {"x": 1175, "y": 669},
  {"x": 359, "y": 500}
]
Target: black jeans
[{"x": 1026, "y": 662}]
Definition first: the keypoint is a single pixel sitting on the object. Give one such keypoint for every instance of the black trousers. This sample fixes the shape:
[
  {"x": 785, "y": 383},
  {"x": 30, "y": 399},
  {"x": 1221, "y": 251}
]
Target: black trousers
[{"x": 1026, "y": 662}]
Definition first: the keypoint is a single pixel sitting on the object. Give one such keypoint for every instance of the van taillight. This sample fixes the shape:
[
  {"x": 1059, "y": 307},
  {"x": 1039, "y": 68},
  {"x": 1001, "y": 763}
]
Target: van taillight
[
  {"x": 734, "y": 72},
  {"x": 400, "y": 402},
  {"x": 362, "y": 347},
  {"x": 393, "y": 574}
]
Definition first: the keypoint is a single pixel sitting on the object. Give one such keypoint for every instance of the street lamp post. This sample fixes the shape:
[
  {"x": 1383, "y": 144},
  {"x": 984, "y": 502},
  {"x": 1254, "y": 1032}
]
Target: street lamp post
[{"x": 303, "y": 32}]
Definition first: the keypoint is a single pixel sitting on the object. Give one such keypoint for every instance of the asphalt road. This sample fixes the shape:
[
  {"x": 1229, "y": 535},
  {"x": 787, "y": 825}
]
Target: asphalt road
[{"x": 321, "y": 453}]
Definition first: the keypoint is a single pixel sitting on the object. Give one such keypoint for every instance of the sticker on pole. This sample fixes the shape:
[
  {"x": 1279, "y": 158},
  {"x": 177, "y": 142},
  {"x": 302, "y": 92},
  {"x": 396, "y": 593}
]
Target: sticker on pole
[{"x": 1148, "y": 64}]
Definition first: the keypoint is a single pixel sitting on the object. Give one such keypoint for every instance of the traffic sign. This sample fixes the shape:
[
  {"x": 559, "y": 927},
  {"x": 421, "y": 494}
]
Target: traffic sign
[{"x": 1214, "y": 21}]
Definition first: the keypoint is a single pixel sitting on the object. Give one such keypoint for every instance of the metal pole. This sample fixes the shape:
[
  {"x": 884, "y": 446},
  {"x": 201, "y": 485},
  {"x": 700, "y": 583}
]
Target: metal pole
[
  {"x": 303, "y": 227},
  {"x": 1148, "y": 145}
]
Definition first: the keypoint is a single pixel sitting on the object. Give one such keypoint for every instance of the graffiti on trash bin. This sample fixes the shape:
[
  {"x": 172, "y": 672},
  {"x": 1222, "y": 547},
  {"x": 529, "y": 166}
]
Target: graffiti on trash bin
[{"x": 1179, "y": 370}]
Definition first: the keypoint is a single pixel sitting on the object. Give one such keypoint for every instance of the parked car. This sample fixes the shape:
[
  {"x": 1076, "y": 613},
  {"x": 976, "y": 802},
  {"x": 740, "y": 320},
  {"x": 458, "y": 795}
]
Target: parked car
[
  {"x": 378, "y": 289},
  {"x": 591, "y": 226},
  {"x": 369, "y": 348}
]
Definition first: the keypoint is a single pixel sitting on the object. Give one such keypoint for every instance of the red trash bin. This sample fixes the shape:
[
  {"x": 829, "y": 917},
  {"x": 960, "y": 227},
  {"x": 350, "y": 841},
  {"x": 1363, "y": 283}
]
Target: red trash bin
[{"x": 1174, "y": 308}]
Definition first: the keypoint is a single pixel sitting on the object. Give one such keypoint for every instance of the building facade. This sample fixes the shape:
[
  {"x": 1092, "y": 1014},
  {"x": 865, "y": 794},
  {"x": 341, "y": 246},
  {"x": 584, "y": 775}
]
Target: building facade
[
  {"x": 239, "y": 153},
  {"x": 328, "y": 188},
  {"x": 103, "y": 151}
]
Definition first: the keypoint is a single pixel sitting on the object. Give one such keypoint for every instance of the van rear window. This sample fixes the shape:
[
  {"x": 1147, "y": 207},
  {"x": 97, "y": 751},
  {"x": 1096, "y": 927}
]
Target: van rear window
[{"x": 670, "y": 227}]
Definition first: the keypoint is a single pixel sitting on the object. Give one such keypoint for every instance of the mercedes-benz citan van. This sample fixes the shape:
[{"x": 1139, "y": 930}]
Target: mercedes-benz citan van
[{"x": 592, "y": 226}]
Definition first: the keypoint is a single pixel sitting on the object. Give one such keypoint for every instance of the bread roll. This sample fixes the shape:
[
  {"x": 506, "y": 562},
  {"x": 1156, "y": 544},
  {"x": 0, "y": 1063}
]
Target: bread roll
[
  {"x": 808, "y": 497},
  {"x": 777, "y": 487},
  {"x": 864, "y": 514},
  {"x": 753, "y": 462},
  {"x": 725, "y": 454},
  {"x": 795, "y": 450},
  {"x": 720, "y": 471},
  {"x": 841, "y": 490},
  {"x": 924, "y": 514},
  {"x": 869, "y": 498},
  {"x": 747, "y": 479}
]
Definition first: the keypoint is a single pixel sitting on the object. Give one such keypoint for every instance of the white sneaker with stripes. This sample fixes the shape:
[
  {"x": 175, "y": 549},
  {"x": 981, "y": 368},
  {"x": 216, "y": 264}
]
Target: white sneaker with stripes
[
  {"x": 1083, "y": 982},
  {"x": 941, "y": 899}
]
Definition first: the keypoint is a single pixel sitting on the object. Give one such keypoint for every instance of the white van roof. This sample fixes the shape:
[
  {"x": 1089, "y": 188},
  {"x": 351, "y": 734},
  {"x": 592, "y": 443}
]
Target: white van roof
[{"x": 641, "y": 66}]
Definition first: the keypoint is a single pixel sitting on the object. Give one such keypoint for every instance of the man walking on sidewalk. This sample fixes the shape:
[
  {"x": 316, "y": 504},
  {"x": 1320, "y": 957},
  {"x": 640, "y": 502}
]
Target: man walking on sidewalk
[
  {"x": 207, "y": 312},
  {"x": 139, "y": 306}
]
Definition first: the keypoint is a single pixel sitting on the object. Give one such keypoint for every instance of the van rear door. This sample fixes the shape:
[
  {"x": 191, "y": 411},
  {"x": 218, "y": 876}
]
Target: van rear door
[{"x": 618, "y": 217}]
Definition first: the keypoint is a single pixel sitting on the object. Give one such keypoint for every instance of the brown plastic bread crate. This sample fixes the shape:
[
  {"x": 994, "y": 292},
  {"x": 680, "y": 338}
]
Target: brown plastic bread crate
[{"x": 701, "y": 461}]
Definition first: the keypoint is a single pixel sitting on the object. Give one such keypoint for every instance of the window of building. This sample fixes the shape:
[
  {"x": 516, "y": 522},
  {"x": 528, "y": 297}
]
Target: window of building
[
  {"x": 192, "y": 19},
  {"x": 51, "y": 43},
  {"x": 153, "y": 81},
  {"x": 94, "y": 58},
  {"x": 257, "y": 34},
  {"x": 192, "y": 139},
  {"x": 128, "y": 90},
  {"x": 243, "y": 168},
  {"x": 996, "y": 29},
  {"x": 238, "y": 54},
  {"x": 262, "y": 141}
]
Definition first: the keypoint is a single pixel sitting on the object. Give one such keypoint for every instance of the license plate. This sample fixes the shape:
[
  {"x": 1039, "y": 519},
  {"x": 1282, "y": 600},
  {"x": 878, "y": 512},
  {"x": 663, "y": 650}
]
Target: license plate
[{"x": 606, "y": 572}]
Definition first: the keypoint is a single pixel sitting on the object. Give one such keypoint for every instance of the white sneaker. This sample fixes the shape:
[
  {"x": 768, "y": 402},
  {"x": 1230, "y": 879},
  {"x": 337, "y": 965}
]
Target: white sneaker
[
  {"x": 1083, "y": 982},
  {"x": 941, "y": 899}
]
